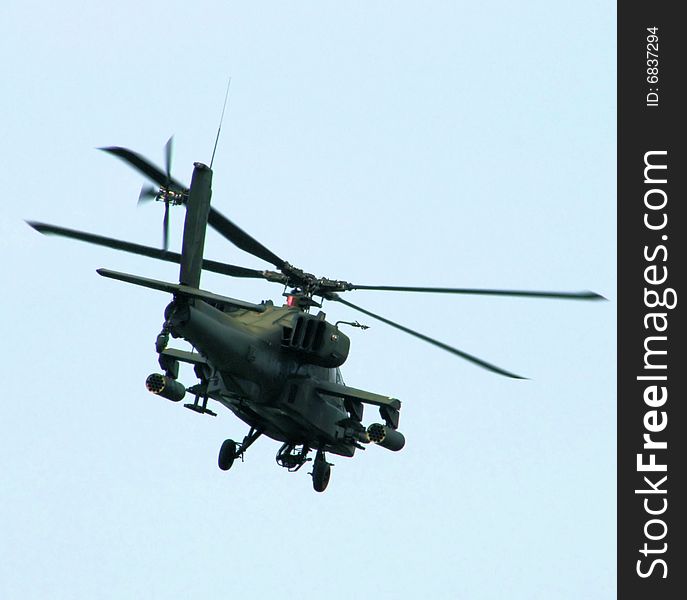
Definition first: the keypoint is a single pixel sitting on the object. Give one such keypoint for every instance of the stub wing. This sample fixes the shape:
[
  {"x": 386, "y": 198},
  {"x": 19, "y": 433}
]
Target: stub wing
[{"x": 349, "y": 393}]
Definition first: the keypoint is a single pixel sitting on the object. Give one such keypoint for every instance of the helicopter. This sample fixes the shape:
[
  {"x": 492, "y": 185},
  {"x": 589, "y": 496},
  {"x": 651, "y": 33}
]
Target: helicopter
[{"x": 277, "y": 368}]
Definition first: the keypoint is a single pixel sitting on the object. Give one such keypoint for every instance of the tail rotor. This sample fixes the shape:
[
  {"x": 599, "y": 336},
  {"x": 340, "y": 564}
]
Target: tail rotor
[
  {"x": 168, "y": 192},
  {"x": 148, "y": 193}
]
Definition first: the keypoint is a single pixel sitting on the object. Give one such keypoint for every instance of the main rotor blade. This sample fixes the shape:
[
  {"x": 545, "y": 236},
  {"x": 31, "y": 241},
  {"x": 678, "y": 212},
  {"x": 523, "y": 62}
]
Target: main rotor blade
[
  {"x": 144, "y": 166},
  {"x": 174, "y": 257},
  {"x": 241, "y": 239},
  {"x": 583, "y": 295},
  {"x": 469, "y": 357}
]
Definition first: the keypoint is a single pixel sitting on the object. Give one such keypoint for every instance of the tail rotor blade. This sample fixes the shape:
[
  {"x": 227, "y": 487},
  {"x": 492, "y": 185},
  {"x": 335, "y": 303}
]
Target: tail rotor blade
[
  {"x": 165, "y": 227},
  {"x": 148, "y": 193},
  {"x": 169, "y": 146}
]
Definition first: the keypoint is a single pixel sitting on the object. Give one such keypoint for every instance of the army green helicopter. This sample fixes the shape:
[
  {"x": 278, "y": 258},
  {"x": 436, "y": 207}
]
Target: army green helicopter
[{"x": 275, "y": 367}]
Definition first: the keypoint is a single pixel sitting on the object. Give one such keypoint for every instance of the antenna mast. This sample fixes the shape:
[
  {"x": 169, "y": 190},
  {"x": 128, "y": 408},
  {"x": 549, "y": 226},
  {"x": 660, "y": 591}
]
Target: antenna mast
[{"x": 219, "y": 129}]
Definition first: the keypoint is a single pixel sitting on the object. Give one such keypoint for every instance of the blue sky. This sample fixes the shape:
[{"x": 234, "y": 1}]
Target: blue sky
[{"x": 451, "y": 145}]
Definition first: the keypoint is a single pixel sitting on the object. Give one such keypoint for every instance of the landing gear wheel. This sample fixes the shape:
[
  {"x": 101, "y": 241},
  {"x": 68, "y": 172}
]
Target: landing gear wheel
[
  {"x": 321, "y": 472},
  {"x": 227, "y": 454}
]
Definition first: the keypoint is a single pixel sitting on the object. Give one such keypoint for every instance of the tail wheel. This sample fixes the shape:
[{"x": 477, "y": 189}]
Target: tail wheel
[
  {"x": 227, "y": 454},
  {"x": 321, "y": 472}
]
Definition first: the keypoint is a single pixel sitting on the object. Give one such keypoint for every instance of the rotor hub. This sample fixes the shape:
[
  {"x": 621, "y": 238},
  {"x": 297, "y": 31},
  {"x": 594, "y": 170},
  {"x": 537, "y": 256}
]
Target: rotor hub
[{"x": 171, "y": 196}]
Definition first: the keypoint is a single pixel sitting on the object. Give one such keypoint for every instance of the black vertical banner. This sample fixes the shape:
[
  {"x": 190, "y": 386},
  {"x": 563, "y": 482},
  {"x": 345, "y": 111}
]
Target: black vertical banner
[{"x": 652, "y": 297}]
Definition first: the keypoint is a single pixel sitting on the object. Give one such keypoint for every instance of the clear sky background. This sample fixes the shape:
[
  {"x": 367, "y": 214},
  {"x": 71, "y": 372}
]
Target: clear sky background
[{"x": 447, "y": 144}]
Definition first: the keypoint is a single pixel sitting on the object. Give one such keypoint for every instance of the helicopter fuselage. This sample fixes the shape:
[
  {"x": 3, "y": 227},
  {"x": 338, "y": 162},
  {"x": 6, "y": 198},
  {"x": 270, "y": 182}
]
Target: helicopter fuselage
[{"x": 275, "y": 368}]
